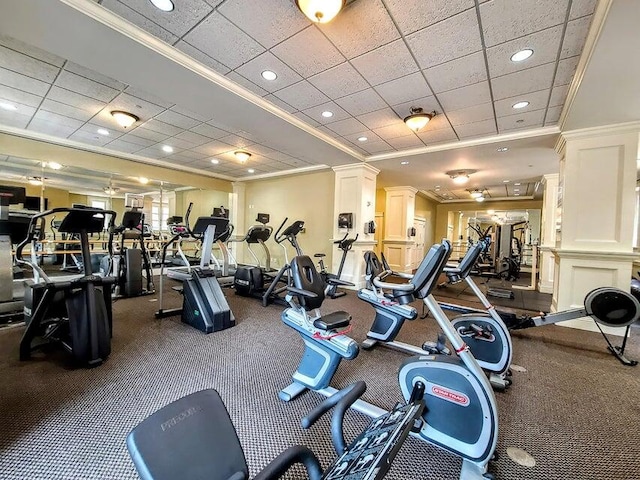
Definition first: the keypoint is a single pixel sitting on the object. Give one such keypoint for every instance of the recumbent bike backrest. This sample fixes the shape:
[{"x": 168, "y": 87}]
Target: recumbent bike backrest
[
  {"x": 306, "y": 277},
  {"x": 426, "y": 277},
  {"x": 372, "y": 264},
  {"x": 470, "y": 259}
]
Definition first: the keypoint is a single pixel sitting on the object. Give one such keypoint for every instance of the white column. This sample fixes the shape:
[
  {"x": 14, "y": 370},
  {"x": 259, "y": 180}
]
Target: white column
[
  {"x": 399, "y": 215},
  {"x": 596, "y": 208},
  {"x": 355, "y": 192},
  {"x": 238, "y": 207},
  {"x": 548, "y": 232}
]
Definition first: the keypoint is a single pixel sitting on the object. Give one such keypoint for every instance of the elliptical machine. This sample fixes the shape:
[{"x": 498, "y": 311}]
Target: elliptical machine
[
  {"x": 345, "y": 245},
  {"x": 461, "y": 411}
]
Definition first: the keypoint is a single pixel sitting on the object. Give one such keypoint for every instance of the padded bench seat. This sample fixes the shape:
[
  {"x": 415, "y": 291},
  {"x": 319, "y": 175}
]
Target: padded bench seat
[{"x": 333, "y": 320}]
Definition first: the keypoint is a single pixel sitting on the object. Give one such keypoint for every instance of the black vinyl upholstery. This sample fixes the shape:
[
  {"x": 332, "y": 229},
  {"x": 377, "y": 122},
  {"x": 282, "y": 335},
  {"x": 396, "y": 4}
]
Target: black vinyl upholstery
[
  {"x": 426, "y": 277},
  {"x": 372, "y": 264},
  {"x": 333, "y": 320},
  {"x": 306, "y": 277},
  {"x": 463, "y": 269}
]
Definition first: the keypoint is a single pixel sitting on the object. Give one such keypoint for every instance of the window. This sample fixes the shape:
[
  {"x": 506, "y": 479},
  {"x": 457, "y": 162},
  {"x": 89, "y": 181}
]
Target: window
[
  {"x": 99, "y": 204},
  {"x": 156, "y": 223}
]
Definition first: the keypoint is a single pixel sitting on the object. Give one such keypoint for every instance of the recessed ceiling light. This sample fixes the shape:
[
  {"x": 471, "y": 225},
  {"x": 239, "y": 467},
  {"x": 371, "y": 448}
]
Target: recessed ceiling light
[
  {"x": 8, "y": 106},
  {"x": 521, "y": 55},
  {"x": 517, "y": 194},
  {"x": 327, "y": 114},
  {"x": 215, "y": 161},
  {"x": 506, "y": 181},
  {"x": 503, "y": 149},
  {"x": 251, "y": 170},
  {"x": 517, "y": 184},
  {"x": 143, "y": 180},
  {"x": 124, "y": 119},
  {"x": 404, "y": 163},
  {"x": 520, "y": 105},
  {"x": 54, "y": 165},
  {"x": 362, "y": 139},
  {"x": 167, "y": 148},
  {"x": 516, "y": 189},
  {"x": 164, "y": 5},
  {"x": 103, "y": 131},
  {"x": 269, "y": 75}
]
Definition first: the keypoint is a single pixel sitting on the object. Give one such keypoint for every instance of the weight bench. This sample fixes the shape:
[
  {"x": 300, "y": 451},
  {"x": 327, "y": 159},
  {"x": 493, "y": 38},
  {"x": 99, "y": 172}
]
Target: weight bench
[{"x": 194, "y": 438}]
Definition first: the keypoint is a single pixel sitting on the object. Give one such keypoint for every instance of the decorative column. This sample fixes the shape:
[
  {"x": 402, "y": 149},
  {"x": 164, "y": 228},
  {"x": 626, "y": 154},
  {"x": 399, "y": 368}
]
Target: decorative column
[
  {"x": 355, "y": 193},
  {"x": 237, "y": 205},
  {"x": 596, "y": 209},
  {"x": 399, "y": 215},
  {"x": 548, "y": 232}
]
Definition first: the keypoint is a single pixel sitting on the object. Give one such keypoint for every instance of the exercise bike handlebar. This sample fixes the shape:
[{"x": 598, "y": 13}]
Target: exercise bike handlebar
[
  {"x": 403, "y": 287},
  {"x": 342, "y": 400},
  {"x": 283, "y": 462},
  {"x": 300, "y": 291},
  {"x": 338, "y": 282}
]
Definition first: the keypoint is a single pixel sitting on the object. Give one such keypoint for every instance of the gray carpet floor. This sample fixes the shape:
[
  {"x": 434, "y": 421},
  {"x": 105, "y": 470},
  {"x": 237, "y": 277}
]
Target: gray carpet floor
[{"x": 575, "y": 409}]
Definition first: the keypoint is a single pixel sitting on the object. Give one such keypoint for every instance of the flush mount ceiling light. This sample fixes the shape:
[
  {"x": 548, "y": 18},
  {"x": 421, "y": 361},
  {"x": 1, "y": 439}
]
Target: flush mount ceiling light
[
  {"x": 143, "y": 180},
  {"x": 320, "y": 11},
  {"x": 460, "y": 177},
  {"x": 8, "y": 106},
  {"x": 242, "y": 156},
  {"x": 215, "y": 161},
  {"x": 327, "y": 114},
  {"x": 418, "y": 118},
  {"x": 521, "y": 55},
  {"x": 167, "y": 148},
  {"x": 269, "y": 75},
  {"x": 53, "y": 165},
  {"x": 480, "y": 199},
  {"x": 103, "y": 131},
  {"x": 476, "y": 193},
  {"x": 503, "y": 149},
  {"x": 111, "y": 190},
  {"x": 362, "y": 139},
  {"x": 506, "y": 181},
  {"x": 37, "y": 181},
  {"x": 124, "y": 119},
  {"x": 520, "y": 105},
  {"x": 251, "y": 170},
  {"x": 406, "y": 162},
  {"x": 164, "y": 5}
]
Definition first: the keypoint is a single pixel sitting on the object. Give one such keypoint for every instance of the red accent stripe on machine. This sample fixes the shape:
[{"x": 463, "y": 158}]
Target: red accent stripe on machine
[{"x": 462, "y": 348}]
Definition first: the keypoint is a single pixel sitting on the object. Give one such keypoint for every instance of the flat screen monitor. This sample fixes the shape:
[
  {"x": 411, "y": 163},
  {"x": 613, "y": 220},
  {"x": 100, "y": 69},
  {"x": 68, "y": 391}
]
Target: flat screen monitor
[{"x": 33, "y": 203}]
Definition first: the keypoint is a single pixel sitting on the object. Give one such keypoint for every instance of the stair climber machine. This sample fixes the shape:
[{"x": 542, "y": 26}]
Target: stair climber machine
[
  {"x": 488, "y": 338},
  {"x": 607, "y": 306},
  {"x": 73, "y": 311},
  {"x": 128, "y": 264},
  {"x": 204, "y": 306},
  {"x": 460, "y": 415},
  {"x": 206, "y": 444},
  {"x": 345, "y": 245},
  {"x": 252, "y": 281}
]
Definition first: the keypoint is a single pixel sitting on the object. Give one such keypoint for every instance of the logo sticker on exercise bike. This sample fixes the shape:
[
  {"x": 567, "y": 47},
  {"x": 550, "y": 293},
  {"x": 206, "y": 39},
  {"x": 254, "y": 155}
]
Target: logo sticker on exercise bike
[{"x": 450, "y": 395}]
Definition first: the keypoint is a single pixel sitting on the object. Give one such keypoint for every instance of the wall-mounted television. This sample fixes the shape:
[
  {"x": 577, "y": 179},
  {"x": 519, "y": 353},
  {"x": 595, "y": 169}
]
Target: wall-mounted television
[{"x": 33, "y": 203}]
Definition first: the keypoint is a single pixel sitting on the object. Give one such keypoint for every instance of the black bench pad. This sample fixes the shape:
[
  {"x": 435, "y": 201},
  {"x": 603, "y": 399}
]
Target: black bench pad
[{"x": 333, "y": 320}]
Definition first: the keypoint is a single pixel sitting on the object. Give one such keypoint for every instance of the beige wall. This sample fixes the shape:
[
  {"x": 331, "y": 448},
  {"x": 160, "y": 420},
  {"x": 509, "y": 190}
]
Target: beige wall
[
  {"x": 204, "y": 202},
  {"x": 427, "y": 208},
  {"x": 445, "y": 210},
  {"x": 308, "y": 197}
]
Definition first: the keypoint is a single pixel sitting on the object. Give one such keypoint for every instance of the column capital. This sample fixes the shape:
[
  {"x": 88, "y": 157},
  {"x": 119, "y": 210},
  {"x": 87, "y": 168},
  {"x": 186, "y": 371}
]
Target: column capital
[
  {"x": 550, "y": 177},
  {"x": 356, "y": 166},
  {"x": 401, "y": 189}
]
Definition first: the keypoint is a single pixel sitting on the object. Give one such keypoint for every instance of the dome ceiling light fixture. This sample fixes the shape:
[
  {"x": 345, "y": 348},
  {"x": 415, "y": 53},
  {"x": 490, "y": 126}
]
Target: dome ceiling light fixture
[
  {"x": 111, "y": 190},
  {"x": 124, "y": 119},
  {"x": 36, "y": 181},
  {"x": 320, "y": 11},
  {"x": 460, "y": 177},
  {"x": 53, "y": 165},
  {"x": 418, "y": 118},
  {"x": 476, "y": 193},
  {"x": 242, "y": 156}
]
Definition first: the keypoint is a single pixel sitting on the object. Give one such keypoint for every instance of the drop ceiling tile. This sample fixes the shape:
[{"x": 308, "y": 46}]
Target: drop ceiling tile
[
  {"x": 180, "y": 159},
  {"x": 209, "y": 131},
  {"x": 240, "y": 80},
  {"x": 465, "y": 97},
  {"x": 194, "y": 138},
  {"x": 26, "y": 65},
  {"x": 345, "y": 127},
  {"x": 280, "y": 103},
  {"x": 524, "y": 81},
  {"x": 150, "y": 135},
  {"x": 154, "y": 151},
  {"x": 428, "y": 104},
  {"x": 185, "y": 15},
  {"x": 377, "y": 147},
  {"x": 275, "y": 22},
  {"x": 216, "y": 34},
  {"x": 476, "y": 113},
  {"x": 89, "y": 137},
  {"x": 202, "y": 57},
  {"x": 353, "y": 137},
  {"x": 553, "y": 115},
  {"x": 545, "y": 45},
  {"x": 84, "y": 86},
  {"x": 360, "y": 28},
  {"x": 54, "y": 128},
  {"x": 136, "y": 140},
  {"x": 31, "y": 51},
  {"x": 339, "y": 81},
  {"x": 433, "y": 45},
  {"x": 83, "y": 113},
  {"x": 537, "y": 101},
  {"x": 192, "y": 154},
  {"x": 580, "y": 8},
  {"x": 161, "y": 127},
  {"x": 404, "y": 89},
  {"x": 558, "y": 95},
  {"x": 457, "y": 73},
  {"x": 395, "y": 130},
  {"x": 413, "y": 15},
  {"x": 122, "y": 146},
  {"x": 12, "y": 79},
  {"x": 95, "y": 76},
  {"x": 328, "y": 131},
  {"x": 180, "y": 144},
  {"x": 92, "y": 128},
  {"x": 135, "y": 105},
  {"x": 236, "y": 141},
  {"x": 504, "y": 20},
  {"x": 189, "y": 113},
  {"x": 429, "y": 137},
  {"x": 385, "y": 63},
  {"x": 529, "y": 120},
  {"x": 54, "y": 118},
  {"x": 147, "y": 97},
  {"x": 406, "y": 142},
  {"x": 177, "y": 120},
  {"x": 566, "y": 70},
  {"x": 485, "y": 127},
  {"x": 361, "y": 102},
  {"x": 575, "y": 36},
  {"x": 253, "y": 69},
  {"x": 316, "y": 113},
  {"x": 379, "y": 118},
  {"x": 139, "y": 20},
  {"x": 14, "y": 119},
  {"x": 302, "y": 95},
  {"x": 306, "y": 119},
  {"x": 308, "y": 52},
  {"x": 18, "y": 96}
]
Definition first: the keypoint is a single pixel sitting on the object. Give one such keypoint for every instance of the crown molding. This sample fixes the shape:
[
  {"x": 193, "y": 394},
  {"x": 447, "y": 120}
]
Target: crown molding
[
  {"x": 296, "y": 171},
  {"x": 356, "y": 166},
  {"x": 489, "y": 200},
  {"x": 613, "y": 129},
  {"x": 405, "y": 188}
]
